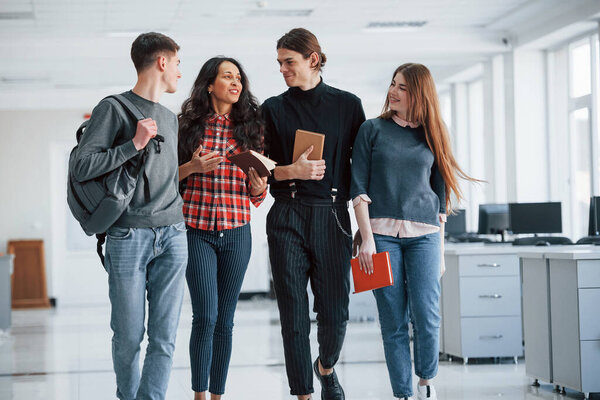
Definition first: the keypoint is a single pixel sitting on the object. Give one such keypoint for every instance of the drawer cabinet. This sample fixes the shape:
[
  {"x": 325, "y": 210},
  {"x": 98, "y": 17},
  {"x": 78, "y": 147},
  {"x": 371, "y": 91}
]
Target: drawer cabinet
[
  {"x": 575, "y": 323},
  {"x": 481, "y": 303},
  {"x": 484, "y": 296}
]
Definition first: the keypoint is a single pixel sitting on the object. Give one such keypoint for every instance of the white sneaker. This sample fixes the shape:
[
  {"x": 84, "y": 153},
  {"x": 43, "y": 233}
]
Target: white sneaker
[{"x": 426, "y": 393}]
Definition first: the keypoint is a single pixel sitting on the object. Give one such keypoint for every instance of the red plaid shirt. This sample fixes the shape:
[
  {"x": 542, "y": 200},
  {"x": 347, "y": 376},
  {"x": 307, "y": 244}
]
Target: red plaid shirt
[{"x": 219, "y": 199}]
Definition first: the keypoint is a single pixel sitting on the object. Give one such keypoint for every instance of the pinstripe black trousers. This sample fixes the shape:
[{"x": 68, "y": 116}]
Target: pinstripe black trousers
[
  {"x": 216, "y": 266},
  {"x": 305, "y": 244}
]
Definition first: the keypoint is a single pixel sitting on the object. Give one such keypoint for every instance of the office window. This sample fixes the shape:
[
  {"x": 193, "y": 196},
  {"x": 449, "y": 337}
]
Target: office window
[
  {"x": 574, "y": 119},
  {"x": 581, "y": 168},
  {"x": 580, "y": 69},
  {"x": 596, "y": 117},
  {"x": 446, "y": 109},
  {"x": 477, "y": 160}
]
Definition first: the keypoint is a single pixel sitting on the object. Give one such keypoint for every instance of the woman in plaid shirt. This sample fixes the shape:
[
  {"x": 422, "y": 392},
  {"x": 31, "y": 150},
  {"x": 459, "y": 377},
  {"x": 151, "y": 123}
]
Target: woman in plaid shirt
[{"x": 221, "y": 118}]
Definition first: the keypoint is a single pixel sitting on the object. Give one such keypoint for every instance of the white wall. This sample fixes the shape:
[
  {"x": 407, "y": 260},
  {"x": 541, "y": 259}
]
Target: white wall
[{"x": 25, "y": 162}]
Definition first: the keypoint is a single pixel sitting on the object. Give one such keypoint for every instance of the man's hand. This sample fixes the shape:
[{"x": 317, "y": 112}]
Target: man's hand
[
  {"x": 257, "y": 184},
  {"x": 309, "y": 169},
  {"x": 205, "y": 163},
  {"x": 146, "y": 130}
]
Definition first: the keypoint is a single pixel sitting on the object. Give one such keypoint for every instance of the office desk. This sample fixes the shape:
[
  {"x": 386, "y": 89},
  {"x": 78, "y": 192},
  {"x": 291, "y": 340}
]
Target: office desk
[
  {"x": 535, "y": 277},
  {"x": 575, "y": 318}
]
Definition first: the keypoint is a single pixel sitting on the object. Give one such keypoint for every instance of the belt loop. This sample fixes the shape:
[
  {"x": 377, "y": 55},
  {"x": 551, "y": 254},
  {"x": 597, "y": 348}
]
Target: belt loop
[
  {"x": 334, "y": 193},
  {"x": 293, "y": 189}
]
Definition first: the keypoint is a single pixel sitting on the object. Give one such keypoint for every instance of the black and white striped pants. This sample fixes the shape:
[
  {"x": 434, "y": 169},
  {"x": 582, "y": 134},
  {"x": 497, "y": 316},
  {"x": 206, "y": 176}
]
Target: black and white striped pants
[
  {"x": 216, "y": 266},
  {"x": 305, "y": 244}
]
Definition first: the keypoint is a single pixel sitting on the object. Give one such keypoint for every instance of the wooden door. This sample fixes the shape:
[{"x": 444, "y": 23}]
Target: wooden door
[{"x": 29, "y": 276}]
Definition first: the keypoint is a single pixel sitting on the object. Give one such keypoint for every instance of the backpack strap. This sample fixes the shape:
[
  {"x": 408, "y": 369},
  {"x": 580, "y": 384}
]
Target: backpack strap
[
  {"x": 131, "y": 108},
  {"x": 101, "y": 238},
  {"x": 134, "y": 112}
]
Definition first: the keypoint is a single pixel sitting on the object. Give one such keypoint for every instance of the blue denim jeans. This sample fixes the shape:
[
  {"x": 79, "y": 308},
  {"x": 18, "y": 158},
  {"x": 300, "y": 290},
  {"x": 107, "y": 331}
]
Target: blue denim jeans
[
  {"x": 145, "y": 262},
  {"x": 416, "y": 293}
]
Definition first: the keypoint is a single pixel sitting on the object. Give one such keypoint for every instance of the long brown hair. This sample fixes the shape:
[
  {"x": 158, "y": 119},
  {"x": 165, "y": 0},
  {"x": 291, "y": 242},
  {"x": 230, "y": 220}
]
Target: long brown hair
[{"x": 424, "y": 108}]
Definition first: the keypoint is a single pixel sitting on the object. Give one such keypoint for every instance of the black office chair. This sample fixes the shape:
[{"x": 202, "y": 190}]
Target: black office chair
[
  {"x": 589, "y": 240},
  {"x": 536, "y": 240}
]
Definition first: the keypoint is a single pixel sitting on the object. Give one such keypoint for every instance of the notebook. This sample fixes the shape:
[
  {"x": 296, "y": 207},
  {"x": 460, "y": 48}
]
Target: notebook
[
  {"x": 305, "y": 139},
  {"x": 250, "y": 158},
  {"x": 381, "y": 277}
]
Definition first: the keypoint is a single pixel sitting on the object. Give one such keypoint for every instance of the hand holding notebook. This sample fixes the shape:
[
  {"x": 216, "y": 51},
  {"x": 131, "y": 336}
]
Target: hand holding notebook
[
  {"x": 250, "y": 158},
  {"x": 381, "y": 276},
  {"x": 307, "y": 155},
  {"x": 305, "y": 139}
]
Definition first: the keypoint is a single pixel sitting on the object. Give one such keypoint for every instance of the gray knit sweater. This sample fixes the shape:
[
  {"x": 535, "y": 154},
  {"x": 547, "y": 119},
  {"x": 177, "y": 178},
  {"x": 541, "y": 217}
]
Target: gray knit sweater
[
  {"x": 106, "y": 144},
  {"x": 396, "y": 169}
]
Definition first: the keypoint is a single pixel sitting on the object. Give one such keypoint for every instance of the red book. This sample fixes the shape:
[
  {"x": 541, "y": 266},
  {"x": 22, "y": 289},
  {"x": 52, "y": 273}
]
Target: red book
[{"x": 381, "y": 276}]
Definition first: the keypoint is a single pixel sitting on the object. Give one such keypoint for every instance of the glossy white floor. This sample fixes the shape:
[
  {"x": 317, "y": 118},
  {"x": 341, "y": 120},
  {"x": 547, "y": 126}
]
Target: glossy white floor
[{"x": 65, "y": 354}]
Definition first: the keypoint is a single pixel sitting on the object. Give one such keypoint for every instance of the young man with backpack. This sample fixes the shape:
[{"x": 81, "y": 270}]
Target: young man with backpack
[{"x": 146, "y": 248}]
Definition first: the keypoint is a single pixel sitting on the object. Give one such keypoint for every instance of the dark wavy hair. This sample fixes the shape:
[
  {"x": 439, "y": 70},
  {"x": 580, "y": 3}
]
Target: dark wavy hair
[{"x": 248, "y": 124}]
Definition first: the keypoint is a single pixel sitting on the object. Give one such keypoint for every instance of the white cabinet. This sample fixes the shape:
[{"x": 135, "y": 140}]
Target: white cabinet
[
  {"x": 536, "y": 317},
  {"x": 481, "y": 303},
  {"x": 575, "y": 320}
]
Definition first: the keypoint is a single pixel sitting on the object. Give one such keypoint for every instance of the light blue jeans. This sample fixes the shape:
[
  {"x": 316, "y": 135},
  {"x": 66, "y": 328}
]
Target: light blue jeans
[
  {"x": 145, "y": 262},
  {"x": 416, "y": 293}
]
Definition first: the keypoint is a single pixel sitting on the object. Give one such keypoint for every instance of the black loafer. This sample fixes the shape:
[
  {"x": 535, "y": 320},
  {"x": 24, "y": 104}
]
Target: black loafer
[{"x": 330, "y": 386}]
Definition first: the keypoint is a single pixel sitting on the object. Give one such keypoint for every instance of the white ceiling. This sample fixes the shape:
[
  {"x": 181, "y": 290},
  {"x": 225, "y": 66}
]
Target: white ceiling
[{"x": 77, "y": 50}]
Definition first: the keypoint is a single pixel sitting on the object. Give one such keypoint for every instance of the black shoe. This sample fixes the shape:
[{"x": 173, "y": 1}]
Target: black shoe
[{"x": 330, "y": 386}]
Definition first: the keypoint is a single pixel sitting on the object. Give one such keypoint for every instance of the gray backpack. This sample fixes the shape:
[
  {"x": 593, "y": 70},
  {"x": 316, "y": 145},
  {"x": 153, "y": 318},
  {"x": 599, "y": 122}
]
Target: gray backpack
[{"x": 98, "y": 203}]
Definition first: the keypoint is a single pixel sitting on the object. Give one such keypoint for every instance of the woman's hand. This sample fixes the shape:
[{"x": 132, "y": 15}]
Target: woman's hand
[
  {"x": 365, "y": 255},
  {"x": 206, "y": 163},
  {"x": 257, "y": 184}
]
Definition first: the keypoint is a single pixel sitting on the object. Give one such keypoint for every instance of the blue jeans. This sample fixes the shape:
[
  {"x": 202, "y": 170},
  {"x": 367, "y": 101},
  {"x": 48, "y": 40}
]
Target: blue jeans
[
  {"x": 145, "y": 262},
  {"x": 416, "y": 292}
]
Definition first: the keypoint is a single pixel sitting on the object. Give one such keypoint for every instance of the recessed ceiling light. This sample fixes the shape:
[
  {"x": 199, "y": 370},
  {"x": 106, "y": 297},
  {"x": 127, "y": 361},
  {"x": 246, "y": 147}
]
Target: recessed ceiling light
[
  {"x": 23, "y": 79},
  {"x": 394, "y": 26},
  {"x": 17, "y": 16},
  {"x": 131, "y": 34},
  {"x": 279, "y": 13}
]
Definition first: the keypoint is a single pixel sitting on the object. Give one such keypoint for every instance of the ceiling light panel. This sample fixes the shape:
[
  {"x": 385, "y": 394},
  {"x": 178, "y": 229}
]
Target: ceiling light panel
[{"x": 272, "y": 13}]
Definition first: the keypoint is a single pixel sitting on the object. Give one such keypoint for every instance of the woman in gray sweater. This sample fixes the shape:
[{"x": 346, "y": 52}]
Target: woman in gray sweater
[{"x": 403, "y": 173}]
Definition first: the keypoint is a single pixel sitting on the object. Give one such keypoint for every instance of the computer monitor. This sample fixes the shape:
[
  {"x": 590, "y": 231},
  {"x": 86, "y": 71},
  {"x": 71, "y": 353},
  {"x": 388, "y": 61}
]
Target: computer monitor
[
  {"x": 594, "y": 224},
  {"x": 535, "y": 217},
  {"x": 493, "y": 219},
  {"x": 594, "y": 221},
  {"x": 456, "y": 224}
]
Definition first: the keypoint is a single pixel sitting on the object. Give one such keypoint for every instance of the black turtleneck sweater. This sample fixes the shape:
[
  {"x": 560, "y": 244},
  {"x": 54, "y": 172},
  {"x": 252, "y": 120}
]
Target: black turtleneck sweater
[{"x": 325, "y": 110}]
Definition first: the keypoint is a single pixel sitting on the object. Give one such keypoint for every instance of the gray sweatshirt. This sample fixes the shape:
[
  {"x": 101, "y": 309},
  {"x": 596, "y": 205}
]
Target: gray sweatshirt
[
  {"x": 107, "y": 143},
  {"x": 397, "y": 170}
]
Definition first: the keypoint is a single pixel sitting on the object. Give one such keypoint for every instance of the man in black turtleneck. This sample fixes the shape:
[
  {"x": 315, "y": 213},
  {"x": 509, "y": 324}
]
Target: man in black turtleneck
[{"x": 308, "y": 227}]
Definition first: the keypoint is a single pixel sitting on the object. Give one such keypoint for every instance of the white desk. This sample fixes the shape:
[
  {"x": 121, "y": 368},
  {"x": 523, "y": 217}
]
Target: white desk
[
  {"x": 561, "y": 294},
  {"x": 536, "y": 316},
  {"x": 575, "y": 318}
]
